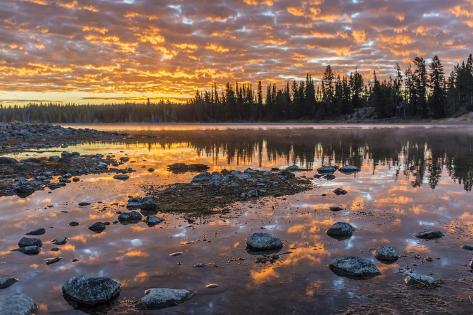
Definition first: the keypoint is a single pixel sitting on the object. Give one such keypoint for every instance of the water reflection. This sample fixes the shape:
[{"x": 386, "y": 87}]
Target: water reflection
[
  {"x": 388, "y": 202},
  {"x": 418, "y": 153}
]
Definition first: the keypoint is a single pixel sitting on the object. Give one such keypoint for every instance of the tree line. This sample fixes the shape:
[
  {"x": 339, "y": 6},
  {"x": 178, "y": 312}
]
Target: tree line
[{"x": 421, "y": 91}]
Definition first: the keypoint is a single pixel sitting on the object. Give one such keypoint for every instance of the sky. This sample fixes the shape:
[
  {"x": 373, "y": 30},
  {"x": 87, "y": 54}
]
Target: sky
[{"x": 100, "y": 51}]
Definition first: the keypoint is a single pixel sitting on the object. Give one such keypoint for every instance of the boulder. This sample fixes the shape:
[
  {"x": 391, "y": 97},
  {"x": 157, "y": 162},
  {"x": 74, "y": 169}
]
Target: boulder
[
  {"x": 156, "y": 298},
  {"x": 354, "y": 267},
  {"x": 468, "y": 247},
  {"x": 98, "y": 227},
  {"x": 91, "y": 290},
  {"x": 262, "y": 242},
  {"x": 26, "y": 241},
  {"x": 340, "y": 230},
  {"x": 17, "y": 304},
  {"x": 386, "y": 253},
  {"x": 429, "y": 234},
  {"x": 5, "y": 282},
  {"x": 30, "y": 250}
]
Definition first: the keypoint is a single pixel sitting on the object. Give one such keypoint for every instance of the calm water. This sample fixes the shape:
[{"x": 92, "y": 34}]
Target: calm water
[{"x": 411, "y": 178}]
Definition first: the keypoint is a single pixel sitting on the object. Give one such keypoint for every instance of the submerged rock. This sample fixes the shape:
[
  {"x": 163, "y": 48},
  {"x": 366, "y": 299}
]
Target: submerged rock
[
  {"x": 26, "y": 241},
  {"x": 263, "y": 241},
  {"x": 340, "y": 230},
  {"x": 326, "y": 169},
  {"x": 98, "y": 227},
  {"x": 429, "y": 234},
  {"x": 39, "y": 231},
  {"x": 349, "y": 169},
  {"x": 17, "y": 304},
  {"x": 336, "y": 208},
  {"x": 386, "y": 253},
  {"x": 90, "y": 290},
  {"x": 6, "y": 282},
  {"x": 419, "y": 280},
  {"x": 84, "y": 204},
  {"x": 354, "y": 267},
  {"x": 163, "y": 297}
]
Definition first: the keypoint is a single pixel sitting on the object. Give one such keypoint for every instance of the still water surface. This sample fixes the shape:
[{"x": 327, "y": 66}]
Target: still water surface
[{"x": 411, "y": 179}]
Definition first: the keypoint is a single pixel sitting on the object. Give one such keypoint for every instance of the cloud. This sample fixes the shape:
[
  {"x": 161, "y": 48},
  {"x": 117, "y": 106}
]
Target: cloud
[{"x": 171, "y": 48}]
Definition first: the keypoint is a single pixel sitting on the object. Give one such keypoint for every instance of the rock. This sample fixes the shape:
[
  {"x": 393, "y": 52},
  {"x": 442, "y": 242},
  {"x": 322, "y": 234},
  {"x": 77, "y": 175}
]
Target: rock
[
  {"x": 90, "y": 290},
  {"x": 211, "y": 286},
  {"x": 419, "y": 280},
  {"x": 121, "y": 176},
  {"x": 39, "y": 231},
  {"x": 148, "y": 204},
  {"x": 176, "y": 254},
  {"x": 470, "y": 264},
  {"x": 6, "y": 282},
  {"x": 30, "y": 250},
  {"x": 349, "y": 169},
  {"x": 468, "y": 246},
  {"x": 326, "y": 169},
  {"x": 132, "y": 216},
  {"x": 75, "y": 179},
  {"x": 262, "y": 242},
  {"x": 102, "y": 165},
  {"x": 202, "y": 177},
  {"x": 7, "y": 161},
  {"x": 340, "y": 191},
  {"x": 341, "y": 230},
  {"x": 292, "y": 168},
  {"x": 386, "y": 253},
  {"x": 50, "y": 261},
  {"x": 59, "y": 242},
  {"x": 163, "y": 297},
  {"x": 98, "y": 227},
  {"x": 153, "y": 220},
  {"x": 336, "y": 208},
  {"x": 429, "y": 234},
  {"x": 151, "y": 170},
  {"x": 84, "y": 204},
  {"x": 328, "y": 176},
  {"x": 73, "y": 223},
  {"x": 17, "y": 304},
  {"x": 26, "y": 241},
  {"x": 354, "y": 267},
  {"x": 124, "y": 159},
  {"x": 24, "y": 190}
]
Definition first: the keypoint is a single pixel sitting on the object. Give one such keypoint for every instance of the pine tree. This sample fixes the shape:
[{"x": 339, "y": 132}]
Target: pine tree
[{"x": 437, "y": 99}]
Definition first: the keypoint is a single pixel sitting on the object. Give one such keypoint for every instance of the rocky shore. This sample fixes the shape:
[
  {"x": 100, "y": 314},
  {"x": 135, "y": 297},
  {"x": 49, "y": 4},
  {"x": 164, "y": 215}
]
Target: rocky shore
[
  {"x": 18, "y": 136},
  {"x": 24, "y": 177}
]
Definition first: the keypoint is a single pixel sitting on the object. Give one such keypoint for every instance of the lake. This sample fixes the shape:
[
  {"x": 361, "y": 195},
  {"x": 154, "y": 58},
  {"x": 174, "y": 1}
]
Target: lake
[{"x": 412, "y": 178}]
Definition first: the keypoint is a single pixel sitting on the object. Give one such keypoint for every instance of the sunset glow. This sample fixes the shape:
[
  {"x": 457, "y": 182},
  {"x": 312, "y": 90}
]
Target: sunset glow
[{"x": 110, "y": 50}]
